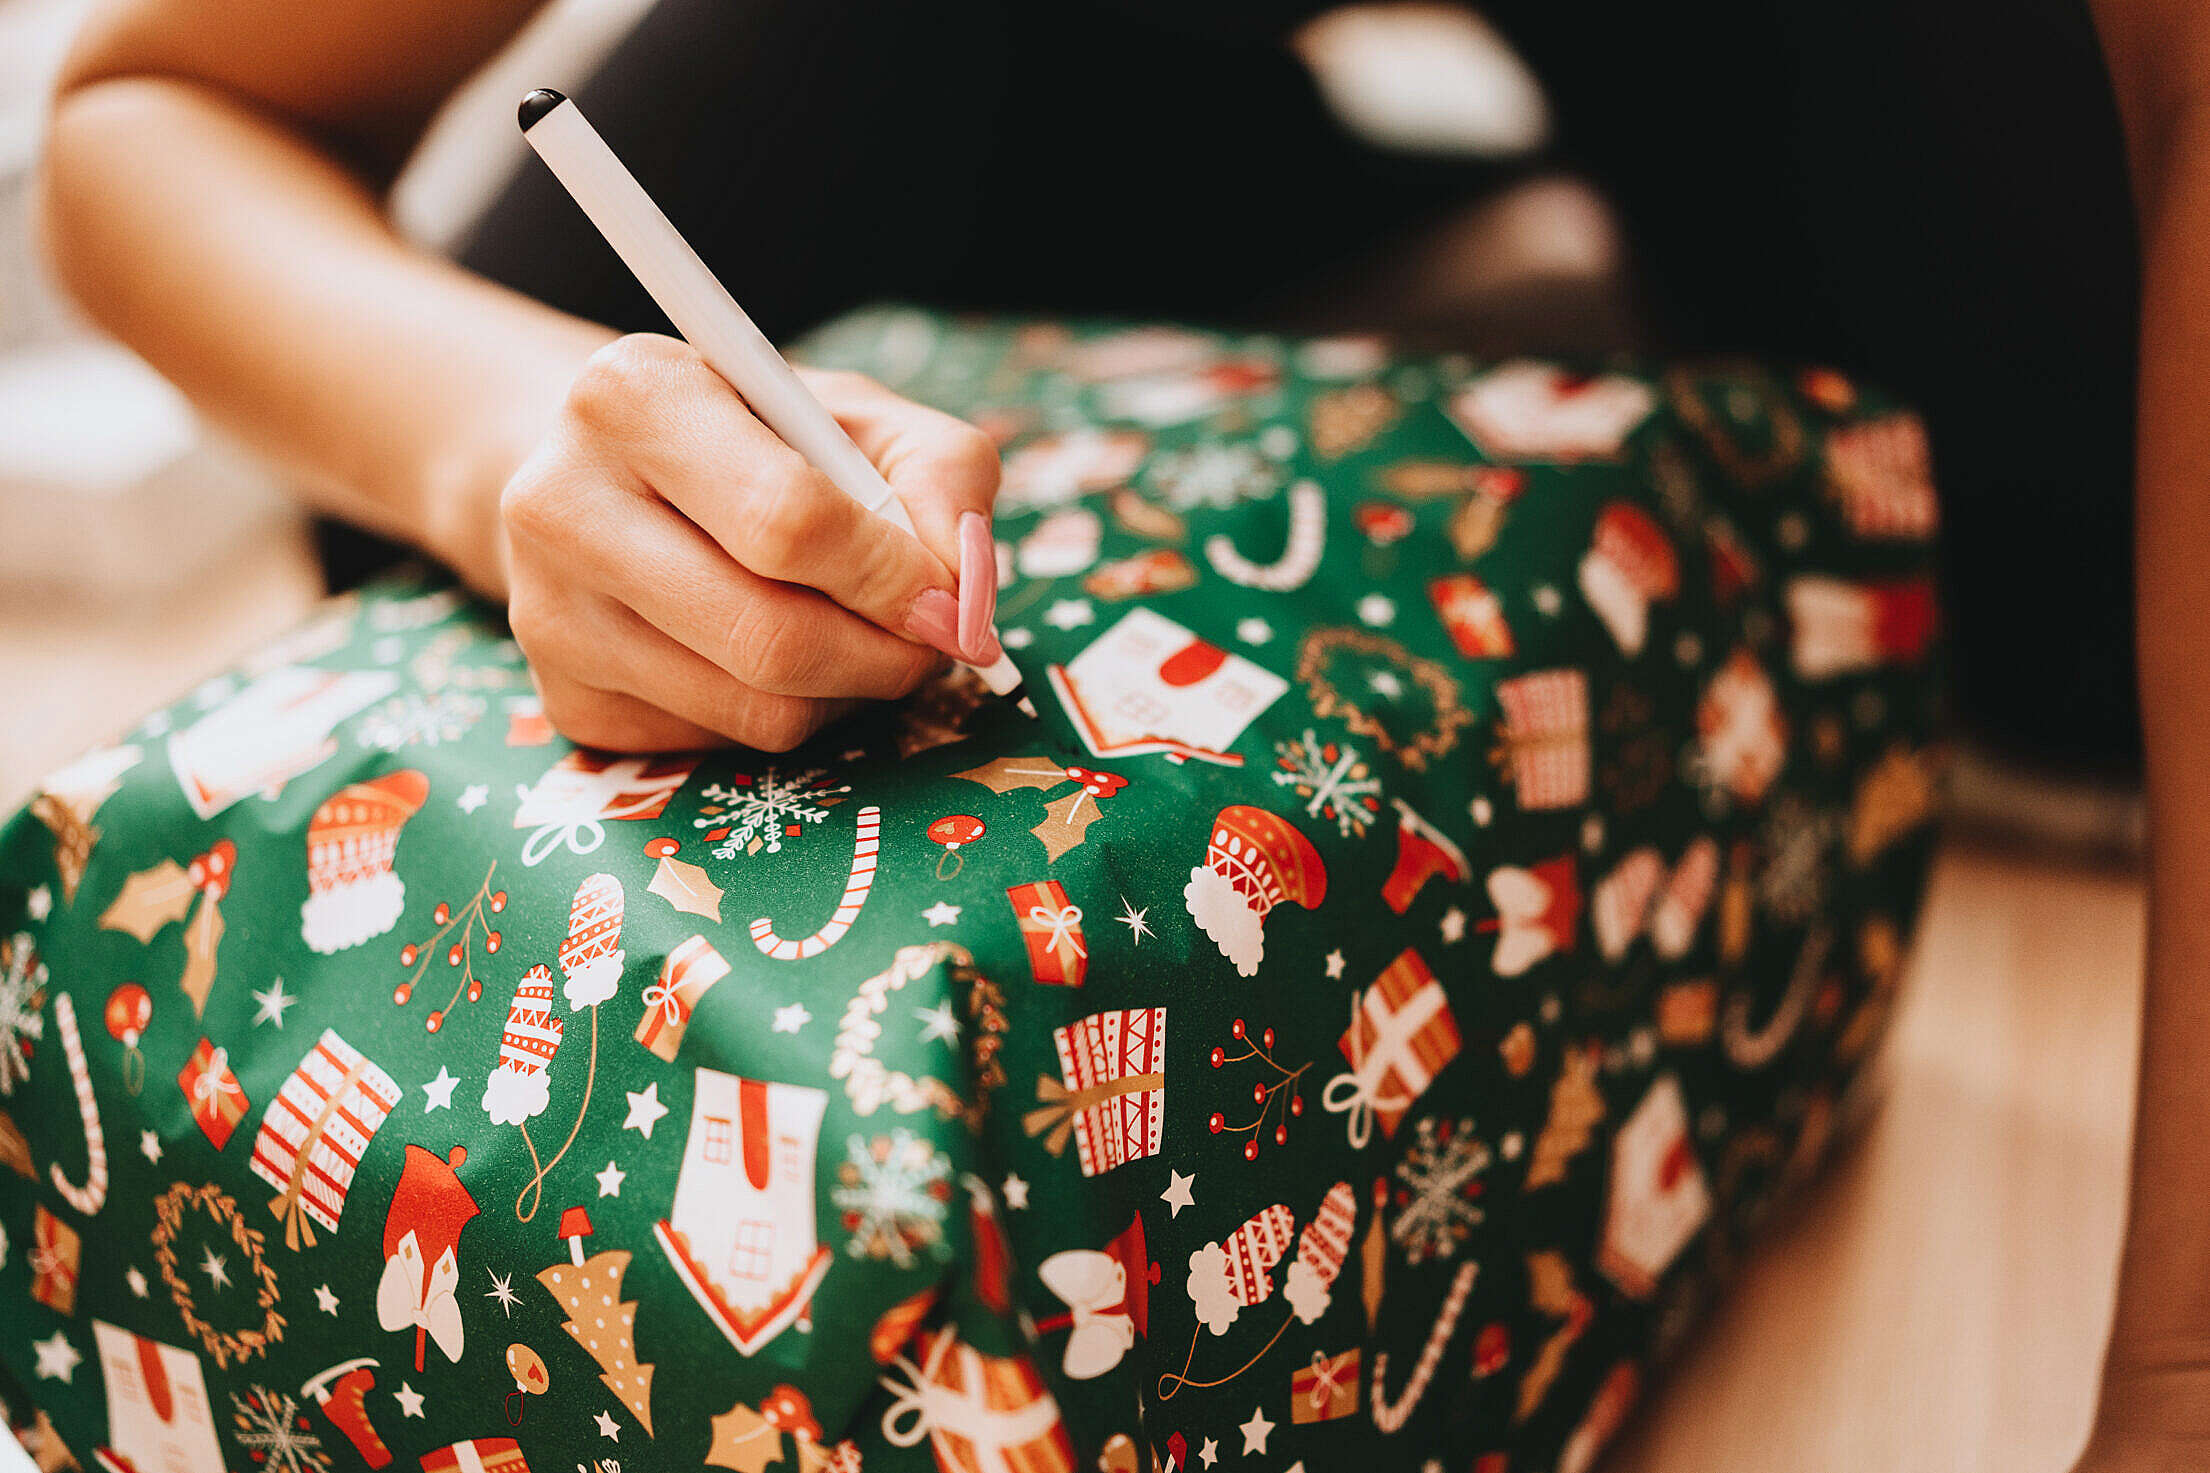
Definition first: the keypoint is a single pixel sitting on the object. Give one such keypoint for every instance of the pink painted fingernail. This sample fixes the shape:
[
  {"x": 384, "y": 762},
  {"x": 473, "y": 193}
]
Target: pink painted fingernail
[
  {"x": 978, "y": 588},
  {"x": 934, "y": 620}
]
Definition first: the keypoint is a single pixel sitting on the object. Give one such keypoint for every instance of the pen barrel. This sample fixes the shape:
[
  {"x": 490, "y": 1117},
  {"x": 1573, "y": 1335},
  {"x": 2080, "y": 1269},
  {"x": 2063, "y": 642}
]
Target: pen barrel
[{"x": 700, "y": 307}]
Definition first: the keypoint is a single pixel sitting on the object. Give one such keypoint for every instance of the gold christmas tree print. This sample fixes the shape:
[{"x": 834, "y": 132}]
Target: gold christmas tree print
[{"x": 602, "y": 1322}]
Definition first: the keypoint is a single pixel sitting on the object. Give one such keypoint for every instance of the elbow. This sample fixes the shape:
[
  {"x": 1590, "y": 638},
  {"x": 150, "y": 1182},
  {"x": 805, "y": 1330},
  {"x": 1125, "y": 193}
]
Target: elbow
[{"x": 94, "y": 128}]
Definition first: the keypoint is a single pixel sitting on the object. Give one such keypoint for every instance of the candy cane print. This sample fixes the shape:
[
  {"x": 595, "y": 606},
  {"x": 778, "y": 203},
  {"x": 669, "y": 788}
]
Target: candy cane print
[
  {"x": 89, "y": 1198},
  {"x": 862, "y": 879},
  {"x": 1300, "y": 558},
  {"x": 1391, "y": 1416}
]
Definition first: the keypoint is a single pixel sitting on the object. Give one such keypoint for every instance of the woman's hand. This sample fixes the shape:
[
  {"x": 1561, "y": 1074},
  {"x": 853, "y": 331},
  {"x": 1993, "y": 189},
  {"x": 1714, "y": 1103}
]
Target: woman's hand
[{"x": 679, "y": 577}]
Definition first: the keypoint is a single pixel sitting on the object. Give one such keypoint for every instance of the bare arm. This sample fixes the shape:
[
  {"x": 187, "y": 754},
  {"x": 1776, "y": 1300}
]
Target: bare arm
[
  {"x": 211, "y": 196},
  {"x": 2155, "y": 1411},
  {"x": 674, "y": 572}
]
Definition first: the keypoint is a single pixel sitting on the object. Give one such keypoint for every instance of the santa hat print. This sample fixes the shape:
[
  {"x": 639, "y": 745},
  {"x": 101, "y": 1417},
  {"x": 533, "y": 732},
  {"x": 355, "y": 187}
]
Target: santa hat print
[
  {"x": 1253, "y": 862},
  {"x": 1321, "y": 1249},
  {"x": 1629, "y": 565},
  {"x": 591, "y": 957},
  {"x": 1839, "y": 627},
  {"x": 520, "y": 1087},
  {"x": 1538, "y": 909},
  {"x": 1227, "y": 1278},
  {"x": 352, "y": 894},
  {"x": 1528, "y": 410}
]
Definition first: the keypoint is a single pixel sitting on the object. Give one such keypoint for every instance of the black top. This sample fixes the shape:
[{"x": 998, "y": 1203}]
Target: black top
[{"x": 1931, "y": 194}]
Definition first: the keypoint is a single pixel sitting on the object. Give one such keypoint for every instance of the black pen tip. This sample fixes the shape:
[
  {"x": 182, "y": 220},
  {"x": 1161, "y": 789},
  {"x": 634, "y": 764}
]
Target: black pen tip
[
  {"x": 1018, "y": 695},
  {"x": 536, "y": 105}
]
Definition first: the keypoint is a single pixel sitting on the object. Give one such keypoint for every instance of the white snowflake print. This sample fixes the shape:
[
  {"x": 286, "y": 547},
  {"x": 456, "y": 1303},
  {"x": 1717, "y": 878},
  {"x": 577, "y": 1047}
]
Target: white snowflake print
[
  {"x": 419, "y": 720},
  {"x": 22, "y": 996},
  {"x": 1439, "y": 1199},
  {"x": 1799, "y": 840},
  {"x": 275, "y": 1433},
  {"x": 757, "y": 814},
  {"x": 1332, "y": 778},
  {"x": 1213, "y": 475},
  {"x": 894, "y": 1192}
]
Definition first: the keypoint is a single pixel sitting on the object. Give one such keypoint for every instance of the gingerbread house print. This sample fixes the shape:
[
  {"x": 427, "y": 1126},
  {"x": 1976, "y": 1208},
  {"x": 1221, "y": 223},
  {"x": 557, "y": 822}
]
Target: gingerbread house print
[{"x": 741, "y": 1232}]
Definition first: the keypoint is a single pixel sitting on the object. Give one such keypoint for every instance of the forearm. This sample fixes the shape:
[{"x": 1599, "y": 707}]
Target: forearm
[
  {"x": 261, "y": 277},
  {"x": 2158, "y": 1372}
]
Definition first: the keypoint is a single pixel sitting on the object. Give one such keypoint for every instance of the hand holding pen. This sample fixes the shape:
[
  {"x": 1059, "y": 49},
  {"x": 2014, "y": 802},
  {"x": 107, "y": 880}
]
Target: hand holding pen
[{"x": 710, "y": 546}]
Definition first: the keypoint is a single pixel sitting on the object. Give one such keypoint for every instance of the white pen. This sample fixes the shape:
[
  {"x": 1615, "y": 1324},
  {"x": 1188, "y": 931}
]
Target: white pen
[{"x": 710, "y": 319}]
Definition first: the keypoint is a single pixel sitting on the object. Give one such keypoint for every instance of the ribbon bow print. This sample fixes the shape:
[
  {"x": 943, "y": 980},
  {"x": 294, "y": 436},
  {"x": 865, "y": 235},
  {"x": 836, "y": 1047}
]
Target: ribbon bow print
[
  {"x": 1327, "y": 1374},
  {"x": 1064, "y": 922},
  {"x": 1058, "y": 1105},
  {"x": 215, "y": 1080},
  {"x": 1359, "y": 1093}
]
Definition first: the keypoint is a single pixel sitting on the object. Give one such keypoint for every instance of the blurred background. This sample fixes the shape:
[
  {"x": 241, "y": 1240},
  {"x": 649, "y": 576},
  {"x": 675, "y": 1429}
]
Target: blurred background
[{"x": 1938, "y": 1303}]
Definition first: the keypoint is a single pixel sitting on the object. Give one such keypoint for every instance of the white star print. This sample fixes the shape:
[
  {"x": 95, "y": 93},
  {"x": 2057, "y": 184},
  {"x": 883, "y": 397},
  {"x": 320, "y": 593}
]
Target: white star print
[
  {"x": 938, "y": 1022},
  {"x": 150, "y": 1145},
  {"x": 1209, "y": 1454},
  {"x": 1133, "y": 919},
  {"x": 645, "y": 1109},
  {"x": 502, "y": 1289},
  {"x": 942, "y": 913},
  {"x": 137, "y": 1282},
  {"x": 608, "y": 1427},
  {"x": 610, "y": 1180},
  {"x": 792, "y": 1018},
  {"x": 212, "y": 1265},
  {"x": 1253, "y": 631},
  {"x": 1015, "y": 1193},
  {"x": 1384, "y": 683},
  {"x": 1377, "y": 610},
  {"x": 473, "y": 797},
  {"x": 57, "y": 1358},
  {"x": 409, "y": 1399},
  {"x": 325, "y": 1301},
  {"x": 1070, "y": 613},
  {"x": 1482, "y": 810},
  {"x": 1016, "y": 638},
  {"x": 1547, "y": 599},
  {"x": 1453, "y": 925},
  {"x": 1177, "y": 1194},
  {"x": 1335, "y": 963},
  {"x": 41, "y": 903},
  {"x": 1255, "y": 1432},
  {"x": 439, "y": 1091},
  {"x": 272, "y": 1003}
]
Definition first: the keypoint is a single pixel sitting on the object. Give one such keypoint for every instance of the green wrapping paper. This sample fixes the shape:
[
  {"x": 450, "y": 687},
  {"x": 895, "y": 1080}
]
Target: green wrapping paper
[{"x": 1463, "y": 863}]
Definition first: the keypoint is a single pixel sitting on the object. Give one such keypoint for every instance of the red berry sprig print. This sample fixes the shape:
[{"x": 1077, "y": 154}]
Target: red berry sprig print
[
  {"x": 1265, "y": 1094},
  {"x": 460, "y": 953}
]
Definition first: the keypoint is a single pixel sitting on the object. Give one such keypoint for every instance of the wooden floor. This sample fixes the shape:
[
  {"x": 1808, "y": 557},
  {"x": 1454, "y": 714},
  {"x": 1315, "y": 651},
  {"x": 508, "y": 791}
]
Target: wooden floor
[{"x": 1939, "y": 1305}]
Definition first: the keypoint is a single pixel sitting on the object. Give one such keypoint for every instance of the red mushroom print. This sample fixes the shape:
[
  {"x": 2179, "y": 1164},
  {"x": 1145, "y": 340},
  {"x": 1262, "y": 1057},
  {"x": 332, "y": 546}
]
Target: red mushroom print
[
  {"x": 600, "y": 1319},
  {"x": 951, "y": 831},
  {"x": 1492, "y": 1349},
  {"x": 1383, "y": 522},
  {"x": 575, "y": 1226},
  {"x": 788, "y": 1410}
]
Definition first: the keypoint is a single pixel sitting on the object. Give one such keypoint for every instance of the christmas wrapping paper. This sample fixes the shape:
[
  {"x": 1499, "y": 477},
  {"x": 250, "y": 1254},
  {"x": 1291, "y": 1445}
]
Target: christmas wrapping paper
[{"x": 1510, "y": 781}]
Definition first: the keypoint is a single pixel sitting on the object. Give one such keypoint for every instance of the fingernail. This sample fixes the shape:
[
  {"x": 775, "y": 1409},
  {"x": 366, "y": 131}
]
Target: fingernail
[
  {"x": 934, "y": 620},
  {"x": 978, "y": 588}
]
